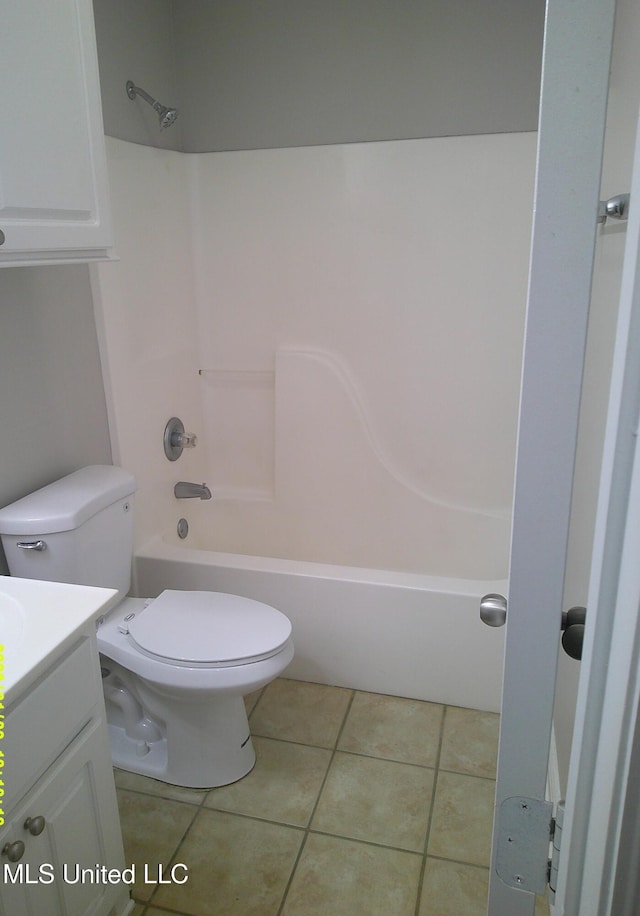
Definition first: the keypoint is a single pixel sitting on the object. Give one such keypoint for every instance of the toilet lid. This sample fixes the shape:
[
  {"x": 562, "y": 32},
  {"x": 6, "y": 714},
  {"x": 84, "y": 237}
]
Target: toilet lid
[{"x": 209, "y": 628}]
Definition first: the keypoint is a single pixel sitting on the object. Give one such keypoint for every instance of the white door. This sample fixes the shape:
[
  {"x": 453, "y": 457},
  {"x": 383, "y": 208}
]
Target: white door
[
  {"x": 577, "y": 51},
  {"x": 598, "y": 864}
]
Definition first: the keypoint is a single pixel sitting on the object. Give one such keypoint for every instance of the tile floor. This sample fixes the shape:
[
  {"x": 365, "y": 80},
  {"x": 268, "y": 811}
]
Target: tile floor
[{"x": 358, "y": 804}]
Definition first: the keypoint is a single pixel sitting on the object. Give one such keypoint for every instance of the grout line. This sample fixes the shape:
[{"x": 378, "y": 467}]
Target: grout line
[
  {"x": 259, "y": 697},
  {"x": 460, "y": 862},
  {"x": 321, "y": 747},
  {"x": 173, "y": 858},
  {"x": 431, "y": 810},
  {"x": 308, "y": 830},
  {"x": 342, "y": 750},
  {"x": 362, "y": 842}
]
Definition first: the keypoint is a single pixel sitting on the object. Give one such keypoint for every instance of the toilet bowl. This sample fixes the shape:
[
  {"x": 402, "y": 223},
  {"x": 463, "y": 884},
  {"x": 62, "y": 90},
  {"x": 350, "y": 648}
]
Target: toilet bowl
[
  {"x": 175, "y": 671},
  {"x": 176, "y": 667}
]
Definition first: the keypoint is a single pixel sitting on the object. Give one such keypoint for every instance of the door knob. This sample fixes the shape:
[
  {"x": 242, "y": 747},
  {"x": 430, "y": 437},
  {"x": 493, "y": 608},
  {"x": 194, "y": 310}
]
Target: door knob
[
  {"x": 493, "y": 610},
  {"x": 13, "y": 851},
  {"x": 35, "y": 825},
  {"x": 573, "y": 622}
]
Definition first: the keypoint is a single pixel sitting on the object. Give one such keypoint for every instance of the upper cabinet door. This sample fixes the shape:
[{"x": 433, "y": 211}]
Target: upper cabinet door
[{"x": 53, "y": 178}]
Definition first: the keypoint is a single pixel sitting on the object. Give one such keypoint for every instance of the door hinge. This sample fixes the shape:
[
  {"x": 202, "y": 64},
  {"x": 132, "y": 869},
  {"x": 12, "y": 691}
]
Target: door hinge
[
  {"x": 524, "y": 834},
  {"x": 556, "y": 838}
]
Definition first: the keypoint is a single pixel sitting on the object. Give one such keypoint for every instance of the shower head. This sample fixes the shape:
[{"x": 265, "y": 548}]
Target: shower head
[{"x": 166, "y": 116}]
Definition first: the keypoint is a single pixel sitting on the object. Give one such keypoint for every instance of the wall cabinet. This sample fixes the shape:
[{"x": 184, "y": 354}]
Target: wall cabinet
[
  {"x": 53, "y": 178},
  {"x": 61, "y": 812}
]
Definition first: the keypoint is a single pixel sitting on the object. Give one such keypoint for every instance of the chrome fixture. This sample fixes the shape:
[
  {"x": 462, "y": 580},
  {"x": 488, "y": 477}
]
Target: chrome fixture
[
  {"x": 183, "y": 528},
  {"x": 185, "y": 490},
  {"x": 32, "y": 545},
  {"x": 175, "y": 439},
  {"x": 615, "y": 208},
  {"x": 493, "y": 610},
  {"x": 166, "y": 116}
]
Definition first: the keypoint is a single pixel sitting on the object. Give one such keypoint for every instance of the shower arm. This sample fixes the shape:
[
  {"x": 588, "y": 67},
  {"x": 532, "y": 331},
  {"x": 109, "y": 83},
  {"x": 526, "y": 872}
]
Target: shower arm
[
  {"x": 133, "y": 91},
  {"x": 166, "y": 115}
]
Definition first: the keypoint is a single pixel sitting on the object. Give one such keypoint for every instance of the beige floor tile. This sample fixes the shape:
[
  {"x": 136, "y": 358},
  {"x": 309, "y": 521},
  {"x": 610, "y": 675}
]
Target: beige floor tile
[
  {"x": 283, "y": 786},
  {"x": 237, "y": 867},
  {"x": 300, "y": 711},
  {"x": 251, "y": 699},
  {"x": 136, "y": 783},
  {"x": 153, "y": 911},
  {"x": 379, "y": 801},
  {"x": 462, "y": 818},
  {"x": 152, "y": 829},
  {"x": 338, "y": 877},
  {"x": 470, "y": 742},
  {"x": 394, "y": 728},
  {"x": 452, "y": 889},
  {"x": 542, "y": 907}
]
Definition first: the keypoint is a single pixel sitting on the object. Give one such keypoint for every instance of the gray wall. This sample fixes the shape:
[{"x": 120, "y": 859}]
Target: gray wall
[
  {"x": 251, "y": 74},
  {"x": 53, "y": 414},
  {"x": 136, "y": 42}
]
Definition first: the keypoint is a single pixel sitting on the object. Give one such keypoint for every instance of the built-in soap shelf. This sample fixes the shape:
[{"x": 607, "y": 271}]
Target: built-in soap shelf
[
  {"x": 245, "y": 378},
  {"x": 239, "y": 418}
]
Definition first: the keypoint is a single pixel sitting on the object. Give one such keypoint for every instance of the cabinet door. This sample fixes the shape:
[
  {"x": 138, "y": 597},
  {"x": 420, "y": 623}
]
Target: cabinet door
[
  {"x": 68, "y": 797},
  {"x": 53, "y": 188}
]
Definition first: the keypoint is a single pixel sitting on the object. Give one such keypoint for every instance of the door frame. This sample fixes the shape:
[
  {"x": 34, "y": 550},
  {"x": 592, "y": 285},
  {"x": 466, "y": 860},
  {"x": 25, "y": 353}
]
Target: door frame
[{"x": 575, "y": 79}]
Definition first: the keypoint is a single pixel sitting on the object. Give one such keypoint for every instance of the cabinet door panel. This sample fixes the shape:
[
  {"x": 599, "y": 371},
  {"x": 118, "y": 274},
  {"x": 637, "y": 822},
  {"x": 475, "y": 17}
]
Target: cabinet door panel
[
  {"x": 72, "y": 839},
  {"x": 52, "y": 164}
]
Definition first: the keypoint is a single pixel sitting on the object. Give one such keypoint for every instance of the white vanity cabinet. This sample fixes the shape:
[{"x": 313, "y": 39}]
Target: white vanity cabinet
[
  {"x": 60, "y": 805},
  {"x": 53, "y": 178}
]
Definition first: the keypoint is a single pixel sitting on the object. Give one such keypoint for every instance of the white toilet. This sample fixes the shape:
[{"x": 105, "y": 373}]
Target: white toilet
[{"x": 176, "y": 667}]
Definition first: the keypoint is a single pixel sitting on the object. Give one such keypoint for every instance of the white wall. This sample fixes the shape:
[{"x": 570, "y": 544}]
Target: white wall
[
  {"x": 360, "y": 345},
  {"x": 376, "y": 278},
  {"x": 360, "y": 313},
  {"x": 146, "y": 325}
]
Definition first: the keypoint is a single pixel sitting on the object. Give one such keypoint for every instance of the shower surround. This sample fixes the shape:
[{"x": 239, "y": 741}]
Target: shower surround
[{"x": 342, "y": 327}]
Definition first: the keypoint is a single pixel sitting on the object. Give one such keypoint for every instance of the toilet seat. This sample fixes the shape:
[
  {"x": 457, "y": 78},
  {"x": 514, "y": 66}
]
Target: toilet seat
[{"x": 207, "y": 629}]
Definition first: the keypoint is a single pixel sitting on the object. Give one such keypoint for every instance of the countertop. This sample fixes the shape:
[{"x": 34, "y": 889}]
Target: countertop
[{"x": 37, "y": 620}]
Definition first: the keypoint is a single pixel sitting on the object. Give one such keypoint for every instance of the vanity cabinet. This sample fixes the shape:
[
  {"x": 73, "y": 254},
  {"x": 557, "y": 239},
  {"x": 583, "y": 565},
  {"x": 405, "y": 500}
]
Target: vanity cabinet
[
  {"x": 60, "y": 805},
  {"x": 53, "y": 178}
]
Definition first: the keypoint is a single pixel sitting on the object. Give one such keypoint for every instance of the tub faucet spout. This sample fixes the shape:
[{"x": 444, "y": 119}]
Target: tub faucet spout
[{"x": 185, "y": 490}]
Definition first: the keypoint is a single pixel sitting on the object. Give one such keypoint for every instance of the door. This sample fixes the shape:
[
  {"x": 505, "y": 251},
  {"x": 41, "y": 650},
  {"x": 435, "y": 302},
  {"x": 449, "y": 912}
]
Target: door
[
  {"x": 598, "y": 864},
  {"x": 577, "y": 52}
]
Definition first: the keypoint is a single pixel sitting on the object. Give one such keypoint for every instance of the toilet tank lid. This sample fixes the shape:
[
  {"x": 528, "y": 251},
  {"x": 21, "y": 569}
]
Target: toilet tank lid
[{"x": 67, "y": 503}]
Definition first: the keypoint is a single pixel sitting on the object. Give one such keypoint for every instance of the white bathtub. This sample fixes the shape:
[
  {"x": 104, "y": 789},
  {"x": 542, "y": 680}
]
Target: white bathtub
[{"x": 396, "y": 633}]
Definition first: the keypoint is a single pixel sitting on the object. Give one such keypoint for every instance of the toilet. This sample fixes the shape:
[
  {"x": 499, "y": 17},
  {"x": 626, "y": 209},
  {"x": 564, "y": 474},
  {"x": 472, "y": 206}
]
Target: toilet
[{"x": 175, "y": 668}]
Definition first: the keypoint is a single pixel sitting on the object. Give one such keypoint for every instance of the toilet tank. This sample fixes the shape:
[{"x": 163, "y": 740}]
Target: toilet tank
[{"x": 78, "y": 529}]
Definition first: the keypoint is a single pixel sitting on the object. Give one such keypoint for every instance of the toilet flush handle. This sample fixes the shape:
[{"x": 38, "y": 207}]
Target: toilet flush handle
[{"x": 32, "y": 545}]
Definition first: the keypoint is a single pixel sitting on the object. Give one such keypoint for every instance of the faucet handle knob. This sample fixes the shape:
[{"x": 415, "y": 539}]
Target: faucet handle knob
[
  {"x": 184, "y": 440},
  {"x": 176, "y": 439}
]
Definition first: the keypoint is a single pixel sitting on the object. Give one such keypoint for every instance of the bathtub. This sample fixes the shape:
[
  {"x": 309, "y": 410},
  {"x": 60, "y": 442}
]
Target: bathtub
[{"x": 403, "y": 634}]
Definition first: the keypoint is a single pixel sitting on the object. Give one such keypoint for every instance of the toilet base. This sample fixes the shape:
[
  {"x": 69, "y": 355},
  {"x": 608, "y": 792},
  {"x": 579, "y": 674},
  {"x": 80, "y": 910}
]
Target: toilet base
[
  {"x": 151, "y": 759},
  {"x": 189, "y": 739}
]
